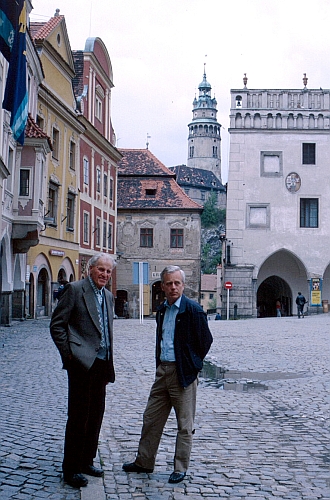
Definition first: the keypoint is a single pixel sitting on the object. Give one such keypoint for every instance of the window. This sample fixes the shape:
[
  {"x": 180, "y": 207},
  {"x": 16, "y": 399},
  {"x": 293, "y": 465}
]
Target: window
[
  {"x": 191, "y": 152},
  {"x": 110, "y": 237},
  {"x": 111, "y": 190},
  {"x": 211, "y": 295},
  {"x": 98, "y": 232},
  {"x": 55, "y": 143},
  {"x": 215, "y": 152},
  {"x": 146, "y": 237},
  {"x": 86, "y": 227},
  {"x": 309, "y": 212},
  {"x": 98, "y": 108},
  {"x": 72, "y": 156},
  {"x": 40, "y": 122},
  {"x": 52, "y": 201},
  {"x": 98, "y": 180},
  {"x": 309, "y": 153},
  {"x": 176, "y": 238},
  {"x": 10, "y": 168},
  {"x": 105, "y": 184},
  {"x": 151, "y": 192},
  {"x": 86, "y": 171},
  {"x": 70, "y": 212},
  {"x": 104, "y": 242},
  {"x": 24, "y": 182}
]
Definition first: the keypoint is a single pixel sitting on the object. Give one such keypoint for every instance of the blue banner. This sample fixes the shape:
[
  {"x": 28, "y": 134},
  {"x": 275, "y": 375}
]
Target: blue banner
[
  {"x": 8, "y": 20},
  {"x": 16, "y": 96}
]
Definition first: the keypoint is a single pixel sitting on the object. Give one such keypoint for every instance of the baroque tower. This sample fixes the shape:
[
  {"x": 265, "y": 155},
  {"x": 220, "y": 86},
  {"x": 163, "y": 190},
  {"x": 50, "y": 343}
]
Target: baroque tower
[{"x": 204, "y": 132}]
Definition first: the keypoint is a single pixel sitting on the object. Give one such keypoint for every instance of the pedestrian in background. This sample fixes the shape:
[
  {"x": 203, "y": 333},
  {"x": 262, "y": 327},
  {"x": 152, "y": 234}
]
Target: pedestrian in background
[
  {"x": 183, "y": 339},
  {"x": 278, "y": 308},
  {"x": 300, "y": 301},
  {"x": 82, "y": 329}
]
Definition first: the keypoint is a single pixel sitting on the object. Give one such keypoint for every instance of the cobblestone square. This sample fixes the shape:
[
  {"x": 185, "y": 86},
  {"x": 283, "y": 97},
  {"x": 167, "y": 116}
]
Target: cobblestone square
[{"x": 249, "y": 443}]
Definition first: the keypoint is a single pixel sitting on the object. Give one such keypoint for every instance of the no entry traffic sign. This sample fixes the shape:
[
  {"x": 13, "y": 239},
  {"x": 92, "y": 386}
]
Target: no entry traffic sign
[{"x": 228, "y": 285}]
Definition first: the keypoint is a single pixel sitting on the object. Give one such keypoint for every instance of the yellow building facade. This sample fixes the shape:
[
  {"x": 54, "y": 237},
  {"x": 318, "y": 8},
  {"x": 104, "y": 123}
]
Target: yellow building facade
[{"x": 56, "y": 257}]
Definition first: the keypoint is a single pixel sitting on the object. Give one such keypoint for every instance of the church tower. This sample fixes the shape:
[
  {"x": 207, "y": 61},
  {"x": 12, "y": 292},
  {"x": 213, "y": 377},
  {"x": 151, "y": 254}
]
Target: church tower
[{"x": 204, "y": 132}]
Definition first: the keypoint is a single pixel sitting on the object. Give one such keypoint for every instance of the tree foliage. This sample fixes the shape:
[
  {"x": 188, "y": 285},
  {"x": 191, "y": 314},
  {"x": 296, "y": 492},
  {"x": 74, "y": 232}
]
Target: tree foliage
[{"x": 212, "y": 215}]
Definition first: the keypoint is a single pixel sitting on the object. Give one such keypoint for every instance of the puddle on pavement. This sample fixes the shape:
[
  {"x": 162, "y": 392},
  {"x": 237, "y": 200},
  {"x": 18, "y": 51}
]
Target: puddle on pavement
[{"x": 240, "y": 381}]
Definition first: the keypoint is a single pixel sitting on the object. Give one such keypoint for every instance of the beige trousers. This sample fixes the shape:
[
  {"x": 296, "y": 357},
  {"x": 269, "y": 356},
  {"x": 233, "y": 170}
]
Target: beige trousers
[{"x": 166, "y": 393}]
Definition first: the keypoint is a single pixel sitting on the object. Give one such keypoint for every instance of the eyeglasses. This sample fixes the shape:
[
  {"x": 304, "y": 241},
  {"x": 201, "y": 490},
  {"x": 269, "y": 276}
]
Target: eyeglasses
[{"x": 104, "y": 270}]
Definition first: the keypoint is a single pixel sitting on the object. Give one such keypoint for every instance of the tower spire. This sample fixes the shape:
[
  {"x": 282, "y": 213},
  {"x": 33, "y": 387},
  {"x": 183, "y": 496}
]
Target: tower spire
[{"x": 204, "y": 131}]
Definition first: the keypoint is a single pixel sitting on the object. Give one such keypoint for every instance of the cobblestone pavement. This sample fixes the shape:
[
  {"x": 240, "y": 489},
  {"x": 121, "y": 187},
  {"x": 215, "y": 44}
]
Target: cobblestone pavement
[{"x": 266, "y": 437}]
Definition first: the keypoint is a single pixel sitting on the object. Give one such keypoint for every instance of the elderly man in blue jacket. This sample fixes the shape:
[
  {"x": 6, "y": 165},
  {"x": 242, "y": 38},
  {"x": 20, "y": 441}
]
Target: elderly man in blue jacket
[{"x": 183, "y": 339}]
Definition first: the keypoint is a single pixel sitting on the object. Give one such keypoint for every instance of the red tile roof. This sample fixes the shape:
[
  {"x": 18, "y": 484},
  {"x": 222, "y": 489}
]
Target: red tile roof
[
  {"x": 145, "y": 183},
  {"x": 141, "y": 162},
  {"x": 33, "y": 131},
  {"x": 40, "y": 30}
]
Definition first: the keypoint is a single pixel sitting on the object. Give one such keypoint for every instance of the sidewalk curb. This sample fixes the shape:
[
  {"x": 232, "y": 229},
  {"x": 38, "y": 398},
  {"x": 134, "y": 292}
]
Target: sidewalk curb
[{"x": 95, "y": 488}]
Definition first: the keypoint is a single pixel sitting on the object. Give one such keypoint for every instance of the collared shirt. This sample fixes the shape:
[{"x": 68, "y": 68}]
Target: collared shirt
[
  {"x": 167, "y": 342},
  {"x": 98, "y": 291}
]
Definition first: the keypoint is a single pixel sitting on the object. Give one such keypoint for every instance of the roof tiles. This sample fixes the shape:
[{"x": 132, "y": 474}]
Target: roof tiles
[
  {"x": 40, "y": 30},
  {"x": 145, "y": 183}
]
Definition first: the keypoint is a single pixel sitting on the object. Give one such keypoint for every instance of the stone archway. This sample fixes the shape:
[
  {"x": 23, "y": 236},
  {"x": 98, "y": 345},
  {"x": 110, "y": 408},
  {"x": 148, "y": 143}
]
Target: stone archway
[
  {"x": 43, "y": 293},
  {"x": 269, "y": 291},
  {"x": 280, "y": 277}
]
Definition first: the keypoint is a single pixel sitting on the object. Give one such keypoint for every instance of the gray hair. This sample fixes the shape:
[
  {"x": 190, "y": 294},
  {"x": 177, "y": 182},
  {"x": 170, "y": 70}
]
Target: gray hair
[
  {"x": 101, "y": 255},
  {"x": 170, "y": 270}
]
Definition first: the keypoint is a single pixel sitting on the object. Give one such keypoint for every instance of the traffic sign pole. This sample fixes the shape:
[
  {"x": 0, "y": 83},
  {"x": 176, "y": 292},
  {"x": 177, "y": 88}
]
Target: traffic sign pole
[{"x": 228, "y": 286}]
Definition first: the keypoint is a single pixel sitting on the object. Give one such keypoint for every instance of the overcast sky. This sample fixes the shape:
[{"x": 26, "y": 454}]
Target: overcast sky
[{"x": 158, "y": 49}]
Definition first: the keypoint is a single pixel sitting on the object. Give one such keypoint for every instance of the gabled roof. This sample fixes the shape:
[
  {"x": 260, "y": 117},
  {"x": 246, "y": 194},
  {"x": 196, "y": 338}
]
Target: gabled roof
[
  {"x": 48, "y": 32},
  {"x": 40, "y": 30},
  {"x": 141, "y": 162},
  {"x": 196, "y": 177},
  {"x": 145, "y": 183}
]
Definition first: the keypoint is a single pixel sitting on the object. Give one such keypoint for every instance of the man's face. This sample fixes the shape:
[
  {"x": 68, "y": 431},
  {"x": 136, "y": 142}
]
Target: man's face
[
  {"x": 172, "y": 286},
  {"x": 101, "y": 272}
]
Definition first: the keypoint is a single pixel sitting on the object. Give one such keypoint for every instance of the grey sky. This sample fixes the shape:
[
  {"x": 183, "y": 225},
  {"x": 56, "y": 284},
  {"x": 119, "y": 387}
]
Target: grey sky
[{"x": 158, "y": 49}]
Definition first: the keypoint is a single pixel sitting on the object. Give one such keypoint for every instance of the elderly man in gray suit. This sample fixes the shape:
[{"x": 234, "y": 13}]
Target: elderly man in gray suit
[{"x": 82, "y": 329}]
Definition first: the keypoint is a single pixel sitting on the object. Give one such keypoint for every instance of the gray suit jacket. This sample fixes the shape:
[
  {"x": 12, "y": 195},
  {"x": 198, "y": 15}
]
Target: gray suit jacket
[{"x": 75, "y": 326}]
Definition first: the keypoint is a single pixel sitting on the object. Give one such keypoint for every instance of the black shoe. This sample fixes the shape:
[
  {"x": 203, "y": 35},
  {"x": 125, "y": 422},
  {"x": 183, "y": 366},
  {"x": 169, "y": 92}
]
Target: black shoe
[
  {"x": 132, "y": 467},
  {"x": 92, "y": 471},
  {"x": 177, "y": 477},
  {"x": 75, "y": 480}
]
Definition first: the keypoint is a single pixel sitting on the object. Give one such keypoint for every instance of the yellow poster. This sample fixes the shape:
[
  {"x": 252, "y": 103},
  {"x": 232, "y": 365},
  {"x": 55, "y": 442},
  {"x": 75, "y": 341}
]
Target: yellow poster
[{"x": 316, "y": 296}]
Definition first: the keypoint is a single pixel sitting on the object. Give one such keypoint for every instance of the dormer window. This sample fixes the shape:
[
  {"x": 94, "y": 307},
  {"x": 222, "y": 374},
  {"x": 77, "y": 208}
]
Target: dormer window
[{"x": 151, "y": 192}]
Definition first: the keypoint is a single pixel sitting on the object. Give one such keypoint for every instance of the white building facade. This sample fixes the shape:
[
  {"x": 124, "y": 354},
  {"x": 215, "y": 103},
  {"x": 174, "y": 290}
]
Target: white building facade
[{"x": 278, "y": 200}]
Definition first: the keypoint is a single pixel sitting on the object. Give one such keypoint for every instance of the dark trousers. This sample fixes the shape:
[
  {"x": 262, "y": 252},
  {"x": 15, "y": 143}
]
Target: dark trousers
[
  {"x": 300, "y": 308},
  {"x": 86, "y": 404}
]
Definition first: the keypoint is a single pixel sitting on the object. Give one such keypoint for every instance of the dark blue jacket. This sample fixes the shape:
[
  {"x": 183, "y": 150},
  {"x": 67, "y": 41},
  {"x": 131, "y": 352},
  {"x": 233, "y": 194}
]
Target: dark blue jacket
[{"x": 192, "y": 339}]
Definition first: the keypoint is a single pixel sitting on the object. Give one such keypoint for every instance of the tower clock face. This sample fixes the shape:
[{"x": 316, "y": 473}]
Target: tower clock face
[{"x": 293, "y": 182}]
